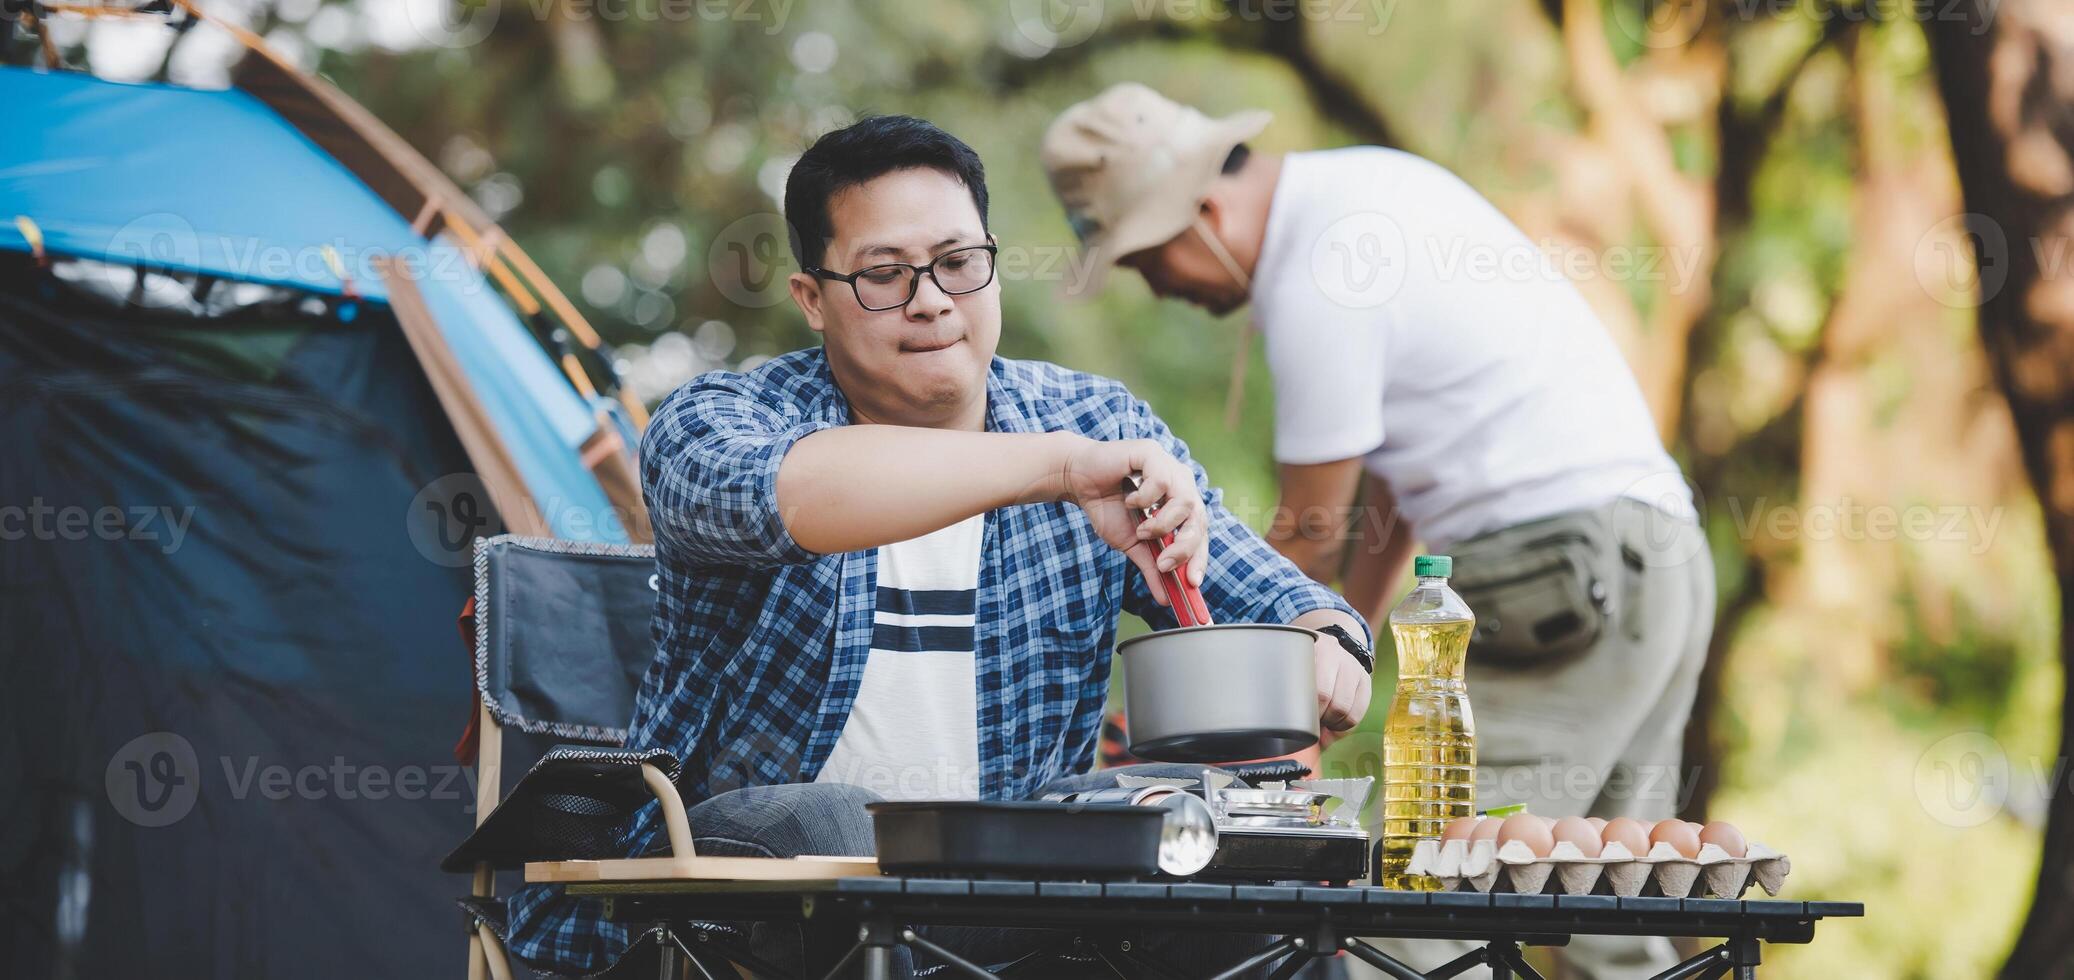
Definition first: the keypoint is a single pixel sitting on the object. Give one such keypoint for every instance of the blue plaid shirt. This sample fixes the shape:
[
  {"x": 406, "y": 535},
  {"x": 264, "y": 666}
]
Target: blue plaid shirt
[{"x": 761, "y": 644}]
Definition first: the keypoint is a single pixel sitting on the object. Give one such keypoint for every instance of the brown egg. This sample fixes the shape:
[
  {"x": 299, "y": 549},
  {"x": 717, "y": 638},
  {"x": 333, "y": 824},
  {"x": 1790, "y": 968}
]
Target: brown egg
[
  {"x": 1679, "y": 835},
  {"x": 1627, "y": 832},
  {"x": 1579, "y": 832},
  {"x": 1486, "y": 829},
  {"x": 1598, "y": 823},
  {"x": 1724, "y": 835},
  {"x": 1528, "y": 829},
  {"x": 1460, "y": 828}
]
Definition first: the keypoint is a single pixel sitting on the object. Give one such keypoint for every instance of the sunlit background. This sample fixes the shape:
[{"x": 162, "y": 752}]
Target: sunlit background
[{"x": 1766, "y": 206}]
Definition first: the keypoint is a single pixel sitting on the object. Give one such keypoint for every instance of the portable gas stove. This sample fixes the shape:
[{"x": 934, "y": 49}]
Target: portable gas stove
[{"x": 1272, "y": 830}]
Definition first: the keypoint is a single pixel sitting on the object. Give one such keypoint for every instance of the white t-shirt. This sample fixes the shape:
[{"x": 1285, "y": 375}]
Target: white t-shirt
[
  {"x": 1409, "y": 323},
  {"x": 913, "y": 733}
]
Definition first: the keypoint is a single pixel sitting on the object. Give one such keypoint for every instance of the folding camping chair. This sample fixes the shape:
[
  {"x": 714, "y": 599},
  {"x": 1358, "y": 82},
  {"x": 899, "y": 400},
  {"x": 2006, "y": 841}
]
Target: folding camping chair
[{"x": 561, "y": 641}]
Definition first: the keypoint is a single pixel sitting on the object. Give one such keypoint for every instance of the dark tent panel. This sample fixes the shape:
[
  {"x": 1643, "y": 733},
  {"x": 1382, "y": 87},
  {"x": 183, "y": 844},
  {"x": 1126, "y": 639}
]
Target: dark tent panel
[{"x": 219, "y": 617}]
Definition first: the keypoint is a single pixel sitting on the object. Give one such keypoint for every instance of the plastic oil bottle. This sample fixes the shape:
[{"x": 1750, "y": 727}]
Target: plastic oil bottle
[{"x": 1429, "y": 742}]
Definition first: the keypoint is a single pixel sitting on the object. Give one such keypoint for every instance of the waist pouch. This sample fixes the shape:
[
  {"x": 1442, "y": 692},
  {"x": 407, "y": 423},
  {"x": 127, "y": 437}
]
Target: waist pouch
[{"x": 1540, "y": 590}]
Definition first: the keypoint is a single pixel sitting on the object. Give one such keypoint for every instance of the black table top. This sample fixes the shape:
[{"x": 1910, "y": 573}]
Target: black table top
[{"x": 1196, "y": 905}]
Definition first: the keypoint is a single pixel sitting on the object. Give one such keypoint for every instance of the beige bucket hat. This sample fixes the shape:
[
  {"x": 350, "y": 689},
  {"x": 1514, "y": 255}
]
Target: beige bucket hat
[{"x": 1132, "y": 167}]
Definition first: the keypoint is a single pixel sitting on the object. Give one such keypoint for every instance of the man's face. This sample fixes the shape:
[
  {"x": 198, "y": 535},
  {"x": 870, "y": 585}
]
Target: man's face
[
  {"x": 1186, "y": 268},
  {"x": 919, "y": 363}
]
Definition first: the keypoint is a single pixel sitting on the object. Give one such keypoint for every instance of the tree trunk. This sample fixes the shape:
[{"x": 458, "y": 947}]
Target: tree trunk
[{"x": 2004, "y": 75}]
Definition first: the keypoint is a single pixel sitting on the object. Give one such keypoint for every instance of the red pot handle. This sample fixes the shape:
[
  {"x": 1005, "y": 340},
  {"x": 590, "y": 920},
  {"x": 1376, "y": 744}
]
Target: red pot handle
[{"x": 1186, "y": 599}]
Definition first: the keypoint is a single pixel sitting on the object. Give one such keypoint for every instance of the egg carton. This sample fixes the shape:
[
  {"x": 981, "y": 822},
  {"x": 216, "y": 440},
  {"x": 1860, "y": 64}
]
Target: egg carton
[{"x": 1483, "y": 866}]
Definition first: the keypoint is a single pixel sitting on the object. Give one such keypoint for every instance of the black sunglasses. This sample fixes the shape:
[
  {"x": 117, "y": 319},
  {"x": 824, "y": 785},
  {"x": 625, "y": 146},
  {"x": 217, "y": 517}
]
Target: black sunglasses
[{"x": 893, "y": 284}]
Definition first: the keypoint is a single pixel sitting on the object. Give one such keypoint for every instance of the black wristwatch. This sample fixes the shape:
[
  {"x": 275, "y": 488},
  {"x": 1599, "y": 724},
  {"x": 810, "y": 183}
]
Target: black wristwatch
[{"x": 1348, "y": 642}]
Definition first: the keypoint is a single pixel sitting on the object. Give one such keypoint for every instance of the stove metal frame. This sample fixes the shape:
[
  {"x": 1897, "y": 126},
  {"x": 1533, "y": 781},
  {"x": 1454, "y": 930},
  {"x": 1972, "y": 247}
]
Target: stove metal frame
[{"x": 859, "y": 922}]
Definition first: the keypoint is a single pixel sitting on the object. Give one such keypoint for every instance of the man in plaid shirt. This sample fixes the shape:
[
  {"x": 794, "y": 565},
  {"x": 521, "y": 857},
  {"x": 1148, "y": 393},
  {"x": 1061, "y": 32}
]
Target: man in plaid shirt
[{"x": 900, "y": 547}]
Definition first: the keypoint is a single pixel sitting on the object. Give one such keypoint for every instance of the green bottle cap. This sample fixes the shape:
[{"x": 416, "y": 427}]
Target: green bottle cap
[{"x": 1440, "y": 565}]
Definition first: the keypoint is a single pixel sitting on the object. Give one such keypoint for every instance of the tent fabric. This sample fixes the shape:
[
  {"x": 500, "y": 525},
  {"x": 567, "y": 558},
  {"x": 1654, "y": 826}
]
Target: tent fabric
[
  {"x": 182, "y": 178},
  {"x": 230, "y": 683},
  {"x": 215, "y": 182}
]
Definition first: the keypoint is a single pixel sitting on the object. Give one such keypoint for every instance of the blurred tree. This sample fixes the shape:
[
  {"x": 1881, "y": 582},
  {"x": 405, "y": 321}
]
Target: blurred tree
[{"x": 2007, "y": 78}]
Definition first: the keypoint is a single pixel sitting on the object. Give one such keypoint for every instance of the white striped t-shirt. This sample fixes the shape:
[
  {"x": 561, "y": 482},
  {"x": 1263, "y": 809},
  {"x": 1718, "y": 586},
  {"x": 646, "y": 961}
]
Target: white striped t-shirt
[{"x": 913, "y": 733}]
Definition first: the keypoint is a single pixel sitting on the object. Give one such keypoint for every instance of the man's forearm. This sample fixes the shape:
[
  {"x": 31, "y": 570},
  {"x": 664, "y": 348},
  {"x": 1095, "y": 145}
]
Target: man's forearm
[
  {"x": 1383, "y": 549},
  {"x": 862, "y": 486},
  {"x": 1311, "y": 520}
]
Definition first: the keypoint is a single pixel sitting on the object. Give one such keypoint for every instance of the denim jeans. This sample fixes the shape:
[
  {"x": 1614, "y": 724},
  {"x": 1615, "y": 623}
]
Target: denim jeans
[{"x": 829, "y": 818}]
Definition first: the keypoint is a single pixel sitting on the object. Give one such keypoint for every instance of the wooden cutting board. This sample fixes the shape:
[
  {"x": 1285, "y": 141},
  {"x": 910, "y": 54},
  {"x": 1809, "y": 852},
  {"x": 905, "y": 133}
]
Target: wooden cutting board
[{"x": 701, "y": 869}]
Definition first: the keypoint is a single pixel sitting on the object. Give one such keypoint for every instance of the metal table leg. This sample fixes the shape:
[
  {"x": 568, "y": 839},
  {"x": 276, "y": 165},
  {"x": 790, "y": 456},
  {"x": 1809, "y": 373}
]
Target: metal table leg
[
  {"x": 1380, "y": 960},
  {"x": 666, "y": 955},
  {"x": 873, "y": 954},
  {"x": 1743, "y": 955},
  {"x": 1460, "y": 964},
  {"x": 1505, "y": 959},
  {"x": 1709, "y": 964},
  {"x": 953, "y": 960},
  {"x": 876, "y": 941},
  {"x": 1295, "y": 964}
]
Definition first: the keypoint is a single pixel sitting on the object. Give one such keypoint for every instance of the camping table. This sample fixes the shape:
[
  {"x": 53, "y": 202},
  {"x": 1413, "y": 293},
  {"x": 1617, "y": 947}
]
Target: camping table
[{"x": 872, "y": 915}]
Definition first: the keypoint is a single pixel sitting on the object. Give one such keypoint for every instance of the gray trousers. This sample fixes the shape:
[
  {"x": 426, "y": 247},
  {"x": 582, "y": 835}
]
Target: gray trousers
[
  {"x": 829, "y": 818},
  {"x": 1597, "y": 733}
]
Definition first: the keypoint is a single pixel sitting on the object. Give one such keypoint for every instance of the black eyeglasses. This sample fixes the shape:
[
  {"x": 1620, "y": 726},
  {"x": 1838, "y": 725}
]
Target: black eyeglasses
[{"x": 892, "y": 285}]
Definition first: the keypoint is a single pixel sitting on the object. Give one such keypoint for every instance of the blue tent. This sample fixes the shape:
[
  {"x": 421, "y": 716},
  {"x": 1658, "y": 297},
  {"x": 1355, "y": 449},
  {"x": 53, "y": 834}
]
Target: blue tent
[
  {"x": 253, "y": 403},
  {"x": 216, "y": 182}
]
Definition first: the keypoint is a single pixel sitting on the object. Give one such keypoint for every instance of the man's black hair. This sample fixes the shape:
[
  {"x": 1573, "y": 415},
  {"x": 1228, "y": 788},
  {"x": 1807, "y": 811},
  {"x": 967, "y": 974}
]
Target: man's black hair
[
  {"x": 1235, "y": 161},
  {"x": 866, "y": 150}
]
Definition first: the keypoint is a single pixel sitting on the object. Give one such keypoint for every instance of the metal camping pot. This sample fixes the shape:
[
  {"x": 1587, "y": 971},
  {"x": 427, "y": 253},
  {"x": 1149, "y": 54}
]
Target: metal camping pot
[{"x": 1220, "y": 693}]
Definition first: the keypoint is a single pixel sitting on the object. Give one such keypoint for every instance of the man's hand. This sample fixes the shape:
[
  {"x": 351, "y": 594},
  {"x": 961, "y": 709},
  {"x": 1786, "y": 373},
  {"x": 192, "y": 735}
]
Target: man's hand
[
  {"x": 1344, "y": 689},
  {"x": 1093, "y": 477}
]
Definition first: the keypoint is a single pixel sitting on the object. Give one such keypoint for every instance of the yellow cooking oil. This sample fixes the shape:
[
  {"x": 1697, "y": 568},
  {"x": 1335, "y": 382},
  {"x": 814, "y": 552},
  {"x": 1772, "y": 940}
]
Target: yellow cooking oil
[{"x": 1429, "y": 741}]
